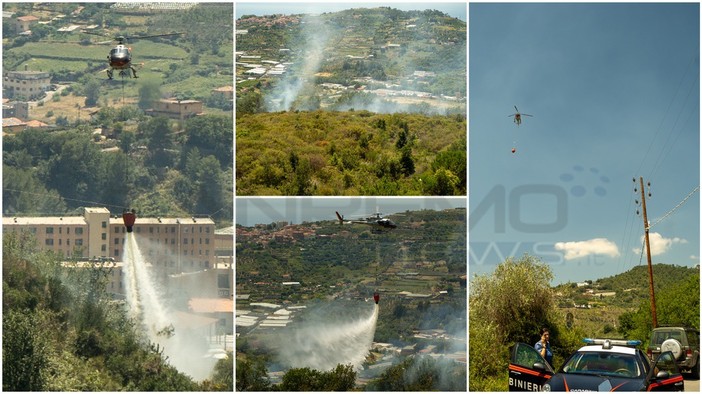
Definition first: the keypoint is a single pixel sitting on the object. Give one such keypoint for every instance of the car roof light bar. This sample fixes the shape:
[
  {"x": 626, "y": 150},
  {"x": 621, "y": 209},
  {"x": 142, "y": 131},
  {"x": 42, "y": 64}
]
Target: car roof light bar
[{"x": 608, "y": 343}]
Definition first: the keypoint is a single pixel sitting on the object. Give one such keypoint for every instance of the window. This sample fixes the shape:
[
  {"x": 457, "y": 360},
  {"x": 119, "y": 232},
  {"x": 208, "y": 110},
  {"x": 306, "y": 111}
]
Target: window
[
  {"x": 104, "y": 224},
  {"x": 151, "y": 230},
  {"x": 223, "y": 281},
  {"x": 185, "y": 241},
  {"x": 60, "y": 228},
  {"x": 104, "y": 236},
  {"x": 68, "y": 230},
  {"x": 79, "y": 231},
  {"x": 49, "y": 242},
  {"x": 117, "y": 229},
  {"x": 116, "y": 252},
  {"x": 103, "y": 248},
  {"x": 49, "y": 230},
  {"x": 207, "y": 241},
  {"x": 79, "y": 242},
  {"x": 116, "y": 241},
  {"x": 60, "y": 241}
]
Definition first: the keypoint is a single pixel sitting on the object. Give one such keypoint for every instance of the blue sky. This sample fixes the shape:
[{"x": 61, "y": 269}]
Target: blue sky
[
  {"x": 614, "y": 93},
  {"x": 454, "y": 9}
]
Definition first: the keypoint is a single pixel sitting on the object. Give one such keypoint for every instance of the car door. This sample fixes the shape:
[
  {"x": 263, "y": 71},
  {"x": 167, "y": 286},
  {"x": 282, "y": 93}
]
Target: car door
[
  {"x": 665, "y": 375},
  {"x": 528, "y": 371}
]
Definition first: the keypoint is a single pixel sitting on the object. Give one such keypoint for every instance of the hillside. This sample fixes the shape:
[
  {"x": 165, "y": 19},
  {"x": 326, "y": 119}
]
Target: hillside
[
  {"x": 102, "y": 142},
  {"x": 628, "y": 288},
  {"x": 328, "y": 252},
  {"x": 598, "y": 308},
  {"x": 350, "y": 153},
  {"x": 326, "y": 272},
  {"x": 189, "y": 65},
  {"x": 380, "y": 59}
]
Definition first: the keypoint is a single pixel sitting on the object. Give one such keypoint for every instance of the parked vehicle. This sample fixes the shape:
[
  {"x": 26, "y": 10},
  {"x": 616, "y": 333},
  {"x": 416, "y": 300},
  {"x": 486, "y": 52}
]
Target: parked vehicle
[
  {"x": 602, "y": 365},
  {"x": 683, "y": 342}
]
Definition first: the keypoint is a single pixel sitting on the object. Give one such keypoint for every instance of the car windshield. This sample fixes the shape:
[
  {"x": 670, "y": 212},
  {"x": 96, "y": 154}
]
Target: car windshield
[{"x": 603, "y": 363}]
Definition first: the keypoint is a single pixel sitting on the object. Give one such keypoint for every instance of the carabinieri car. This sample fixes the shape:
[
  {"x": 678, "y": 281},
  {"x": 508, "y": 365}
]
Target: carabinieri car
[{"x": 602, "y": 365}]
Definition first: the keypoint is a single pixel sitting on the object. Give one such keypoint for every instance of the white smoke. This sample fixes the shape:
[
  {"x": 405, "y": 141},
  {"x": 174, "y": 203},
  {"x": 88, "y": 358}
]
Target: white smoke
[
  {"x": 315, "y": 35},
  {"x": 322, "y": 345}
]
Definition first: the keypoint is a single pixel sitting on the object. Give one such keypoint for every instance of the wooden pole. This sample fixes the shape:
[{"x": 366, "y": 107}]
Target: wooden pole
[{"x": 648, "y": 256}]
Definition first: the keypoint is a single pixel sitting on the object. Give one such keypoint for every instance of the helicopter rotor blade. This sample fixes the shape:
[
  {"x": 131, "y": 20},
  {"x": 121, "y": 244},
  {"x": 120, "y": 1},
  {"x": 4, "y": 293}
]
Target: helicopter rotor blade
[
  {"x": 152, "y": 36},
  {"x": 94, "y": 33}
]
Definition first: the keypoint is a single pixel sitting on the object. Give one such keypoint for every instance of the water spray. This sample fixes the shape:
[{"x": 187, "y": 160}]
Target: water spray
[
  {"x": 322, "y": 344},
  {"x": 160, "y": 324}
]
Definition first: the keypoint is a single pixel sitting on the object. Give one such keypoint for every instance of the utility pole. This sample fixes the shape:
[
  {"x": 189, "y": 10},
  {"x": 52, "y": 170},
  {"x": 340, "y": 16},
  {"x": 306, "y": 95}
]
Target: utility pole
[{"x": 648, "y": 253}]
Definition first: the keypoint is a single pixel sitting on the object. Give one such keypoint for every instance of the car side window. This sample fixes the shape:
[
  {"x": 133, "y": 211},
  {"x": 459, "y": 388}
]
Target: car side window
[
  {"x": 644, "y": 360},
  {"x": 526, "y": 356}
]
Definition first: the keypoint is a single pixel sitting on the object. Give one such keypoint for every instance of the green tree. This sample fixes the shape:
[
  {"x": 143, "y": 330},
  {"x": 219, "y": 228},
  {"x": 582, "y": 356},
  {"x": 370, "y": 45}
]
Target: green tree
[
  {"x": 212, "y": 186},
  {"x": 251, "y": 375},
  {"x": 25, "y": 353},
  {"x": 23, "y": 192},
  {"x": 223, "y": 377},
  {"x": 510, "y": 305},
  {"x": 212, "y": 135},
  {"x": 422, "y": 374},
  {"x": 249, "y": 103},
  {"x": 406, "y": 161},
  {"x": 160, "y": 141},
  {"x": 341, "y": 378},
  {"x": 91, "y": 89}
]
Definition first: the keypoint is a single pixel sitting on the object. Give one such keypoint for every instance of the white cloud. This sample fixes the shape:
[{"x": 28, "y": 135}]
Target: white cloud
[
  {"x": 577, "y": 249},
  {"x": 659, "y": 244}
]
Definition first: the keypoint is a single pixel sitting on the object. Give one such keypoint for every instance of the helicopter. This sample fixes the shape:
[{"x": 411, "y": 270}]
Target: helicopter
[
  {"x": 377, "y": 221},
  {"x": 518, "y": 116},
  {"x": 120, "y": 57}
]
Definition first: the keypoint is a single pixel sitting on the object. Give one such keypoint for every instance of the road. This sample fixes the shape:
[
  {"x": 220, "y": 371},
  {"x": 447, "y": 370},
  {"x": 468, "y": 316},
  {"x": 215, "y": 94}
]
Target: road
[{"x": 691, "y": 385}]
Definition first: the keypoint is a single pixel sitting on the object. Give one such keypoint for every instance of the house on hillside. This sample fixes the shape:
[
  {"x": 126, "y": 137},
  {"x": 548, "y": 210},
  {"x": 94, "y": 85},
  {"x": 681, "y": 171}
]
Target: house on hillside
[
  {"x": 176, "y": 109},
  {"x": 24, "y": 23},
  {"x": 227, "y": 92},
  {"x": 12, "y": 125},
  {"x": 27, "y": 85}
]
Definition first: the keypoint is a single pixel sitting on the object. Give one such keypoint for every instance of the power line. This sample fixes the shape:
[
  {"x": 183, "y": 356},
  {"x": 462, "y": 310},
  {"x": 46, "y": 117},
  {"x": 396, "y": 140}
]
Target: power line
[{"x": 676, "y": 207}]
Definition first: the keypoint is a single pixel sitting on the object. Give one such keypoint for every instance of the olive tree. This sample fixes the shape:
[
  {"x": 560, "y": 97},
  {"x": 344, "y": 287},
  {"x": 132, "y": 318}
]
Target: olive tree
[{"x": 510, "y": 305}]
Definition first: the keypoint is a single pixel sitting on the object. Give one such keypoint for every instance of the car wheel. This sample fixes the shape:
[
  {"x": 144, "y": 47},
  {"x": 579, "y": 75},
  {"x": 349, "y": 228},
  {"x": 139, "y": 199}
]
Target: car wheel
[
  {"x": 673, "y": 346},
  {"x": 696, "y": 370}
]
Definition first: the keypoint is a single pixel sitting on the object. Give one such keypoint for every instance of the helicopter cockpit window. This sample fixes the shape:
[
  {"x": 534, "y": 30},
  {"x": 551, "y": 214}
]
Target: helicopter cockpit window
[{"x": 118, "y": 52}]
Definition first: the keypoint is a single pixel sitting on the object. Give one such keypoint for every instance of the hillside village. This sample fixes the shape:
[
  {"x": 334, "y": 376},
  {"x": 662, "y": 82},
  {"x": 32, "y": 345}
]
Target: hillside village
[{"x": 48, "y": 56}]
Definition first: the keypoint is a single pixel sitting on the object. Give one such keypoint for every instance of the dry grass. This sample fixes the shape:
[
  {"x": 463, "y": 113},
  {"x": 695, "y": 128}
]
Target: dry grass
[{"x": 69, "y": 106}]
